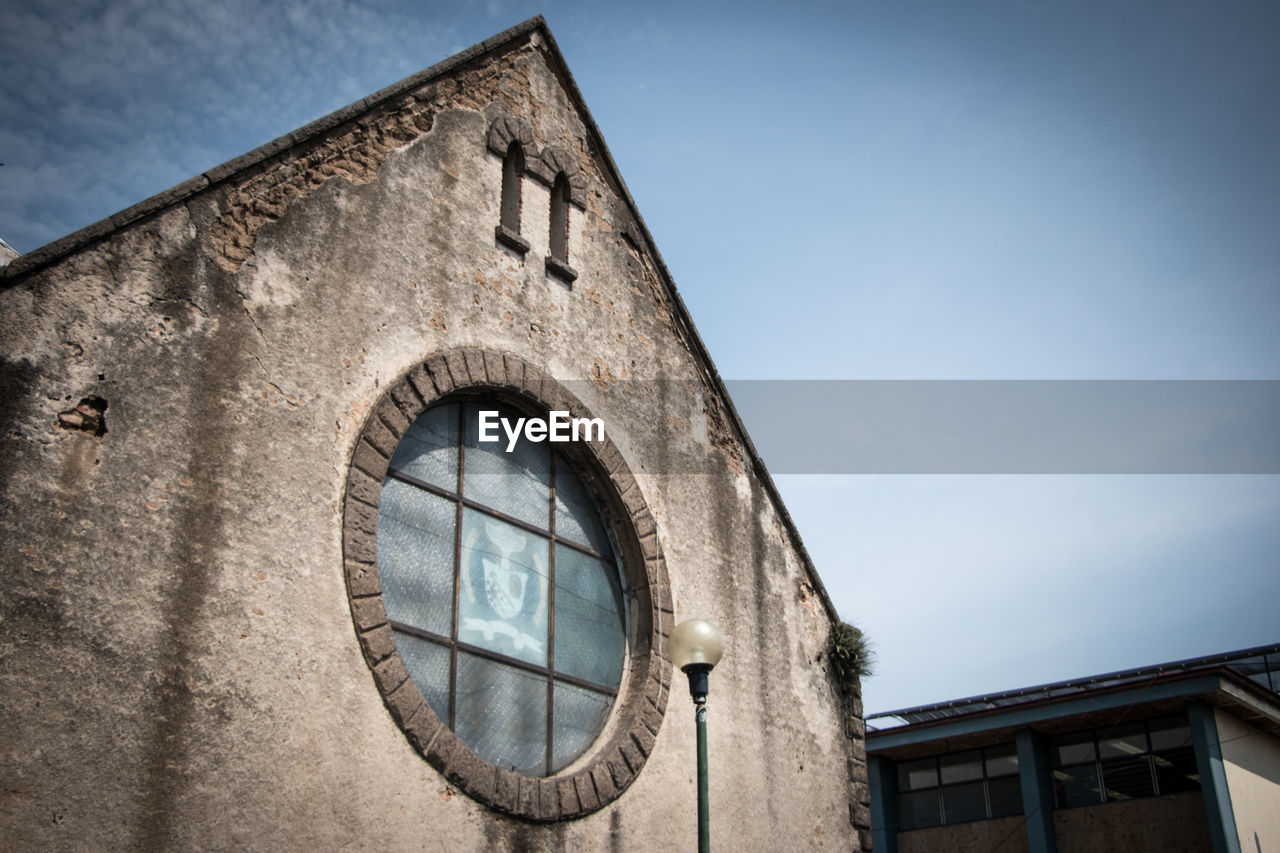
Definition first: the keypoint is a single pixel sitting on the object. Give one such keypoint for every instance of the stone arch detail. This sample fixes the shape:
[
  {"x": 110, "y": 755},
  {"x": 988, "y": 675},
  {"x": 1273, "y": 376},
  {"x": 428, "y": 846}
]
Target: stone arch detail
[
  {"x": 601, "y": 776},
  {"x": 555, "y": 159},
  {"x": 542, "y": 165},
  {"x": 506, "y": 129}
]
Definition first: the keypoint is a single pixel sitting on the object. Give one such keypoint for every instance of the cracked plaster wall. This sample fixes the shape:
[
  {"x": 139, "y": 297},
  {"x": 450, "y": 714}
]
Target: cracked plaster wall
[{"x": 176, "y": 650}]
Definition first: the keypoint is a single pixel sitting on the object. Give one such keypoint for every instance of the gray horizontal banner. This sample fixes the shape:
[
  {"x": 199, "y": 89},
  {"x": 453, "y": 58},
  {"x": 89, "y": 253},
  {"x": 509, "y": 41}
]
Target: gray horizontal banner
[{"x": 1012, "y": 427}]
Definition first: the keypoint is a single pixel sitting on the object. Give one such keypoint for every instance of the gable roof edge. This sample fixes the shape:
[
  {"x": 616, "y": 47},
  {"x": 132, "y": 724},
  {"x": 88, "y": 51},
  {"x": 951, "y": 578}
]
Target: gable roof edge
[
  {"x": 686, "y": 320},
  {"x": 38, "y": 259}
]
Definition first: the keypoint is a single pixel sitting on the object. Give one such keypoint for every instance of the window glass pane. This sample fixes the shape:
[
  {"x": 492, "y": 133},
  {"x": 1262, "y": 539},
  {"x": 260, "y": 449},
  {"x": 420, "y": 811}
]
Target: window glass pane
[
  {"x": 1172, "y": 733},
  {"x": 579, "y": 716},
  {"x": 922, "y": 773},
  {"x": 576, "y": 516},
  {"x": 1076, "y": 786},
  {"x": 502, "y": 714},
  {"x": 589, "y": 630},
  {"x": 499, "y": 572},
  {"x": 1176, "y": 770},
  {"x": 961, "y": 767},
  {"x": 428, "y": 665},
  {"x": 516, "y": 483},
  {"x": 1005, "y": 795},
  {"x": 1073, "y": 748},
  {"x": 415, "y": 556},
  {"x": 1127, "y": 778},
  {"x": 1001, "y": 760},
  {"x": 503, "y": 599},
  {"x": 963, "y": 803},
  {"x": 1123, "y": 741},
  {"x": 919, "y": 809},
  {"x": 428, "y": 450}
]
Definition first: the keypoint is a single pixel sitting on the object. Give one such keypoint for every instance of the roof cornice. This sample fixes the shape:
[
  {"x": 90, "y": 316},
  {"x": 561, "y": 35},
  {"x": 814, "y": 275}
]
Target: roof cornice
[
  {"x": 37, "y": 259},
  {"x": 1221, "y": 686}
]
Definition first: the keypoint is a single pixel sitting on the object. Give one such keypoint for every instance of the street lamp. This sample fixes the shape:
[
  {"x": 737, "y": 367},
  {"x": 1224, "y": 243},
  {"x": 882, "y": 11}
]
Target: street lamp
[{"x": 696, "y": 647}]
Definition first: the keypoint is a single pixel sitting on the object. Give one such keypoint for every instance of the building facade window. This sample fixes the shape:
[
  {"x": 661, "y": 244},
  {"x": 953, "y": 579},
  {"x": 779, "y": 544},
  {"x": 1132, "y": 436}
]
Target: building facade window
[
  {"x": 959, "y": 787},
  {"x": 558, "y": 245},
  {"x": 1123, "y": 762},
  {"x": 513, "y": 607},
  {"x": 559, "y": 242},
  {"x": 508, "y": 230},
  {"x": 502, "y": 590},
  {"x": 512, "y": 173}
]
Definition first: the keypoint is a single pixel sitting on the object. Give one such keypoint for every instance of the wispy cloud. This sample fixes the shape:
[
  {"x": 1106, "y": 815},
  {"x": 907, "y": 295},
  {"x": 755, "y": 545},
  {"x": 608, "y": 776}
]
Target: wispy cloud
[{"x": 100, "y": 102}]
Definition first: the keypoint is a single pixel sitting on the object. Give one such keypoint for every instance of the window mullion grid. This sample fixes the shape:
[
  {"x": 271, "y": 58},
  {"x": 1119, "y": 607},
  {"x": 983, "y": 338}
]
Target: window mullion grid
[
  {"x": 986, "y": 788},
  {"x": 942, "y": 806},
  {"x": 1097, "y": 767},
  {"x": 452, "y": 642},
  {"x": 499, "y": 657},
  {"x": 551, "y": 613},
  {"x": 457, "y": 497},
  {"x": 1151, "y": 761},
  {"x": 457, "y": 573}
]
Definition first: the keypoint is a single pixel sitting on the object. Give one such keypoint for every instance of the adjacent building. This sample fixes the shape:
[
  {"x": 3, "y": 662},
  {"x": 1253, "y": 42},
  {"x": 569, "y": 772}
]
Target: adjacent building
[{"x": 1183, "y": 756}]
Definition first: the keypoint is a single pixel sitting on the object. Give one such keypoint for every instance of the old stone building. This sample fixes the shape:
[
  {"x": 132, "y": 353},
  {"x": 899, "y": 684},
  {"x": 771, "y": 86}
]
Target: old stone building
[{"x": 265, "y": 587}]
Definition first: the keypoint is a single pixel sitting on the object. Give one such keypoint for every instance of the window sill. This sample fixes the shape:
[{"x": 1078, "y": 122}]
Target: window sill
[
  {"x": 510, "y": 239},
  {"x": 561, "y": 270}
]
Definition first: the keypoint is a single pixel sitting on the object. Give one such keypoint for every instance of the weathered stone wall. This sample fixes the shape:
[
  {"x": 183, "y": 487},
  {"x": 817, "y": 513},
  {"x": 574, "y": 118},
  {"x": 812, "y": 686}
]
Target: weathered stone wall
[{"x": 179, "y": 663}]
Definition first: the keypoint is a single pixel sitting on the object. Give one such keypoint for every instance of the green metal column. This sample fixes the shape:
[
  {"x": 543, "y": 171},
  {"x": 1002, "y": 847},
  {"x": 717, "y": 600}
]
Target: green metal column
[
  {"x": 1213, "y": 778},
  {"x": 704, "y": 807},
  {"x": 1037, "y": 791},
  {"x": 882, "y": 779}
]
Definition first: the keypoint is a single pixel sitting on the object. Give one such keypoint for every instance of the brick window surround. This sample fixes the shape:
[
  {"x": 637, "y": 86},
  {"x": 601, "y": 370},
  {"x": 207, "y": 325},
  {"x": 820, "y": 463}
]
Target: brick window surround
[{"x": 604, "y": 772}]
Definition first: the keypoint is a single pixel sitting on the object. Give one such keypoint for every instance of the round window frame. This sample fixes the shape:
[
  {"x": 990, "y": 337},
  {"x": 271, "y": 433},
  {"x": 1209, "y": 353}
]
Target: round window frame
[{"x": 600, "y": 775}]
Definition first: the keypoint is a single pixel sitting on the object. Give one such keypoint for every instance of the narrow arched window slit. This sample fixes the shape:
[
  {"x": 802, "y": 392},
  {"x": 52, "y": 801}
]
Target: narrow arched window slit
[
  {"x": 508, "y": 231},
  {"x": 558, "y": 256}
]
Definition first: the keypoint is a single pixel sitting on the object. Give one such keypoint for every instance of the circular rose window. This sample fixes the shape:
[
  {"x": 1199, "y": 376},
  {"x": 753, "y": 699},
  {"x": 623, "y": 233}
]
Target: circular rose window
[{"x": 503, "y": 589}]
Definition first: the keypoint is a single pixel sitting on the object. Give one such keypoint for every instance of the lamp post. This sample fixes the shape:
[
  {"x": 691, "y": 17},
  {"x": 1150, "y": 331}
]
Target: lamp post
[{"x": 696, "y": 647}]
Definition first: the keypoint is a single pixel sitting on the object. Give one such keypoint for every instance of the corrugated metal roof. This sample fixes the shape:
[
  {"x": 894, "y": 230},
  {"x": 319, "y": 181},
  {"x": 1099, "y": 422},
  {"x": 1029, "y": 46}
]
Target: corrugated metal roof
[{"x": 1260, "y": 664}]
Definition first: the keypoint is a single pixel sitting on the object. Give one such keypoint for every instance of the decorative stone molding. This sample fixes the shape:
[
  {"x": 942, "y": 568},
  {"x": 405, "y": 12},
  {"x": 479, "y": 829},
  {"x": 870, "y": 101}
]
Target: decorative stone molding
[
  {"x": 600, "y": 776},
  {"x": 555, "y": 159},
  {"x": 544, "y": 165},
  {"x": 506, "y": 129}
]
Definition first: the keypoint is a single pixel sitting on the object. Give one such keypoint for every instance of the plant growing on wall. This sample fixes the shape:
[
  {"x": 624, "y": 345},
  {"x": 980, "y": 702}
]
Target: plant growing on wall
[{"x": 851, "y": 658}]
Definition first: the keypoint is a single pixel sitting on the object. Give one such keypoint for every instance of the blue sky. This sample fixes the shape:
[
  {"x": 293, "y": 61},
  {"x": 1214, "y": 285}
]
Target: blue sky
[{"x": 862, "y": 190}]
